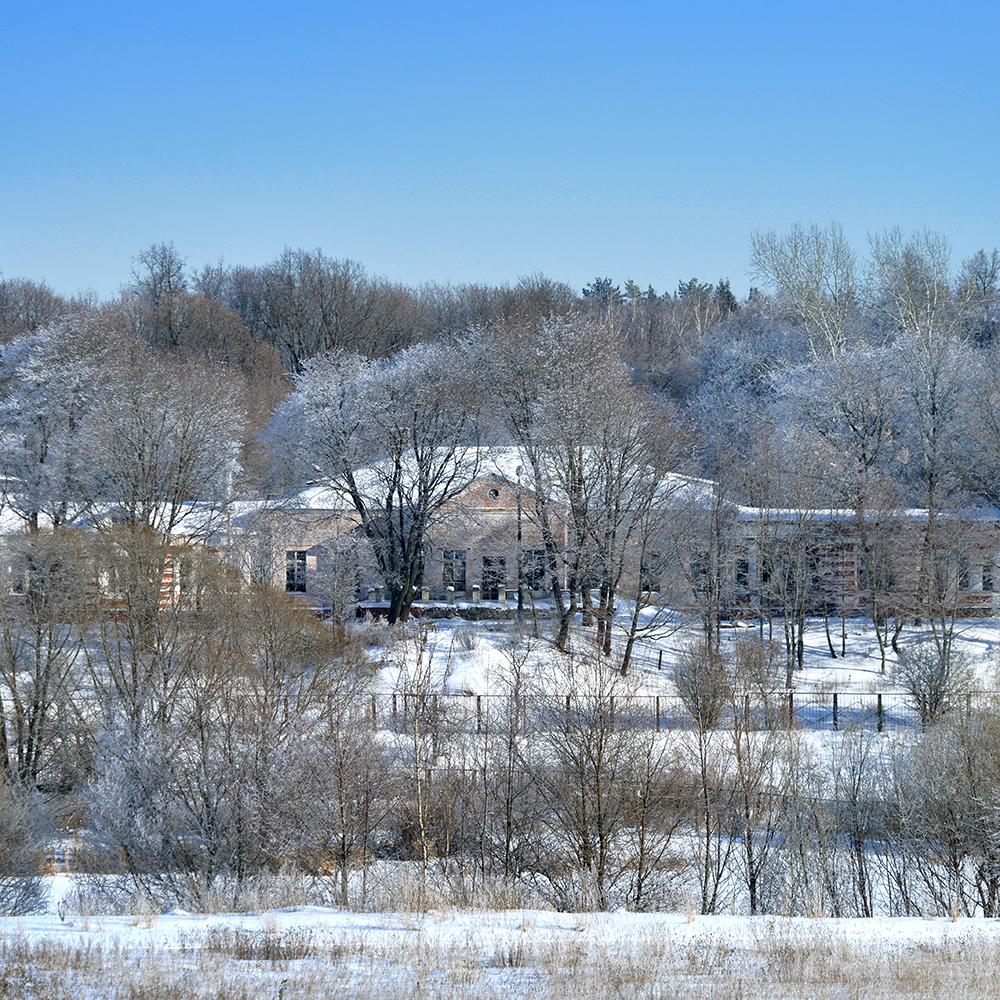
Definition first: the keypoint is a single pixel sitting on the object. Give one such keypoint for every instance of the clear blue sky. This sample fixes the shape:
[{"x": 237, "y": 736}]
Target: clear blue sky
[{"x": 472, "y": 141}]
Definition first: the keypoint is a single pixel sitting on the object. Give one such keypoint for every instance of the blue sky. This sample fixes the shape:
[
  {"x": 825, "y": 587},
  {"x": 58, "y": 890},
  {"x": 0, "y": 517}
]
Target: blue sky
[{"x": 479, "y": 142}]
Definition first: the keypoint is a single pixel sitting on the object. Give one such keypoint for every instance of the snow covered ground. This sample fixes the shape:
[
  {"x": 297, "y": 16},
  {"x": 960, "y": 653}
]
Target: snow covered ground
[
  {"x": 318, "y": 952},
  {"x": 72, "y": 951},
  {"x": 474, "y": 657}
]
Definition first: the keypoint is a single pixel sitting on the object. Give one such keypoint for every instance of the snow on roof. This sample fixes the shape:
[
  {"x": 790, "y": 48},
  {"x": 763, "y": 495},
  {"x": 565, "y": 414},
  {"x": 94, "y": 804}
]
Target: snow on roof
[{"x": 793, "y": 514}]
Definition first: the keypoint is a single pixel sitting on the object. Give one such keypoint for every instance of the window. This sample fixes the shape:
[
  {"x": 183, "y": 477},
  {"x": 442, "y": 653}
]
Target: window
[
  {"x": 743, "y": 573},
  {"x": 649, "y": 573},
  {"x": 295, "y": 571},
  {"x": 988, "y": 579},
  {"x": 453, "y": 569},
  {"x": 700, "y": 573},
  {"x": 533, "y": 566},
  {"x": 494, "y": 577},
  {"x": 766, "y": 570}
]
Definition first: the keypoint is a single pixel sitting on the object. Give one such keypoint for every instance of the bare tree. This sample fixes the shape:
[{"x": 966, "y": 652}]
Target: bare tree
[
  {"x": 759, "y": 771},
  {"x": 167, "y": 436},
  {"x": 40, "y": 640},
  {"x": 815, "y": 271},
  {"x": 160, "y": 283},
  {"x": 586, "y": 761},
  {"x": 510, "y": 798},
  {"x": 26, "y": 306},
  {"x": 305, "y": 304},
  {"x": 398, "y": 440},
  {"x": 934, "y": 678},
  {"x": 704, "y": 688}
]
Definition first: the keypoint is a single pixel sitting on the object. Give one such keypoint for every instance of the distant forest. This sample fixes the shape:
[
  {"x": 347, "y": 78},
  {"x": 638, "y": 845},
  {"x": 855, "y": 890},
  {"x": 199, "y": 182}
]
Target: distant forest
[{"x": 847, "y": 372}]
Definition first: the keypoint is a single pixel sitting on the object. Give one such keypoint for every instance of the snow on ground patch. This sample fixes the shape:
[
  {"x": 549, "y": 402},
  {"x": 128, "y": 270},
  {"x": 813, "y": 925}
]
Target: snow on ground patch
[{"x": 320, "y": 952}]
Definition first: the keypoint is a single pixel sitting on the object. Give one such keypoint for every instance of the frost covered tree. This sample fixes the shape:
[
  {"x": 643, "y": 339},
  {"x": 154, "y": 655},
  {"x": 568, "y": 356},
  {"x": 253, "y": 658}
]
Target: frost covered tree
[
  {"x": 24, "y": 832},
  {"x": 166, "y": 435},
  {"x": 54, "y": 380},
  {"x": 211, "y": 791},
  {"x": 40, "y": 641},
  {"x": 853, "y": 403},
  {"x": 397, "y": 440},
  {"x": 594, "y": 448},
  {"x": 94, "y": 418},
  {"x": 814, "y": 271},
  {"x": 932, "y": 361}
]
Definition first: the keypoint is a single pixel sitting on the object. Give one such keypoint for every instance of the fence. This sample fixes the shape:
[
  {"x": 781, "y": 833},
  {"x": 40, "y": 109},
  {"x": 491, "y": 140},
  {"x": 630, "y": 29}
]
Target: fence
[{"x": 815, "y": 711}]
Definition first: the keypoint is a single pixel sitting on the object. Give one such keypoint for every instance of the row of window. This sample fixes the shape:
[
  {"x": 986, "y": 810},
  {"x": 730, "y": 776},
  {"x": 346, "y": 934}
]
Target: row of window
[{"x": 493, "y": 576}]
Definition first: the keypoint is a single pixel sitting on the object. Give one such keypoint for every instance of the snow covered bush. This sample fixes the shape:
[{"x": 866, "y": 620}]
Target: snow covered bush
[{"x": 23, "y": 833}]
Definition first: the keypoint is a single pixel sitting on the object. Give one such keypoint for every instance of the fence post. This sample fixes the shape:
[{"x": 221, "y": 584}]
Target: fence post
[
  {"x": 394, "y": 724},
  {"x": 878, "y": 712},
  {"x": 657, "y": 713},
  {"x": 374, "y": 717},
  {"x": 835, "y": 726},
  {"x": 791, "y": 709},
  {"x": 479, "y": 713},
  {"x": 659, "y": 662}
]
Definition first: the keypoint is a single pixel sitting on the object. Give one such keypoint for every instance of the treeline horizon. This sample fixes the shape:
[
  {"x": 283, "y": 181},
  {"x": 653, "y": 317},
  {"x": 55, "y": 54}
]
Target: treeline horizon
[{"x": 827, "y": 352}]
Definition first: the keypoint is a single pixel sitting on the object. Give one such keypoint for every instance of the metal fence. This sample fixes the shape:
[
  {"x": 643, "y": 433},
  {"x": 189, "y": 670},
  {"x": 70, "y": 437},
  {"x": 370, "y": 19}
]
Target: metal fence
[{"x": 814, "y": 711}]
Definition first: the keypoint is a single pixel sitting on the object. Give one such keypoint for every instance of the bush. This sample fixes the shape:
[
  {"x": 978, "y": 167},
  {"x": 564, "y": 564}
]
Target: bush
[
  {"x": 23, "y": 833},
  {"x": 702, "y": 684},
  {"x": 933, "y": 676}
]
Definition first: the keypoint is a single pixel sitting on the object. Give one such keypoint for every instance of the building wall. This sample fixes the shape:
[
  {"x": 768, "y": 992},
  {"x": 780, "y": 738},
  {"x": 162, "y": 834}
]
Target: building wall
[{"x": 323, "y": 556}]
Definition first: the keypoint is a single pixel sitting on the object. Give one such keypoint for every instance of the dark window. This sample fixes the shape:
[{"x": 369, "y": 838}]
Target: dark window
[
  {"x": 963, "y": 573},
  {"x": 453, "y": 569},
  {"x": 941, "y": 575},
  {"x": 988, "y": 581},
  {"x": 700, "y": 566},
  {"x": 295, "y": 571},
  {"x": 649, "y": 573},
  {"x": 743, "y": 573},
  {"x": 185, "y": 573},
  {"x": 815, "y": 569},
  {"x": 533, "y": 565},
  {"x": 494, "y": 577}
]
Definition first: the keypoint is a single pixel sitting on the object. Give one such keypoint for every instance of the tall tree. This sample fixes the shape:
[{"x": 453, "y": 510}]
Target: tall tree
[
  {"x": 815, "y": 271},
  {"x": 160, "y": 283},
  {"x": 932, "y": 360},
  {"x": 55, "y": 382},
  {"x": 396, "y": 439}
]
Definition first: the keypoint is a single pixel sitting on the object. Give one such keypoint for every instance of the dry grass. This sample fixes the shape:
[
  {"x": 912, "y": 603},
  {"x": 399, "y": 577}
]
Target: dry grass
[{"x": 777, "y": 959}]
